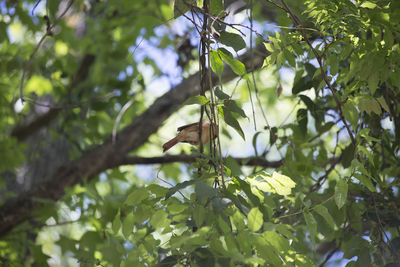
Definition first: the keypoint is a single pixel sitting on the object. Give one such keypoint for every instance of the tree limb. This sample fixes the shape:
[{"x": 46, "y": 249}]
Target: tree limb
[{"x": 251, "y": 161}]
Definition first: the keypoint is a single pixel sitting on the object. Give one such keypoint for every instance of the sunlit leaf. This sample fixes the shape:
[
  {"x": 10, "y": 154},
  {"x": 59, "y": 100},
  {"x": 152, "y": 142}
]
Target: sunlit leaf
[
  {"x": 368, "y": 4},
  {"x": 159, "y": 219},
  {"x": 136, "y": 196},
  {"x": 217, "y": 65},
  {"x": 237, "y": 66},
  {"x": 255, "y": 219},
  {"x": 275, "y": 183},
  {"x": 341, "y": 193},
  {"x": 127, "y": 225},
  {"x": 116, "y": 223},
  {"x": 198, "y": 99}
]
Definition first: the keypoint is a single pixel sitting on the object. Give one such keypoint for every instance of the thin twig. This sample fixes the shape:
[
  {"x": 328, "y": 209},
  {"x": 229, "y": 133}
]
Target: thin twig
[
  {"x": 49, "y": 32},
  {"x": 333, "y": 251},
  {"x": 118, "y": 119},
  {"x": 297, "y": 23},
  {"x": 168, "y": 183},
  {"x": 389, "y": 243}
]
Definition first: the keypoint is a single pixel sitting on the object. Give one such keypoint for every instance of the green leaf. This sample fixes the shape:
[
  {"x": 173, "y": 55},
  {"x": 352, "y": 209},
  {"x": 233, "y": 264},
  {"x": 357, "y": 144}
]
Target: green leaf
[
  {"x": 365, "y": 181},
  {"x": 199, "y": 214},
  {"x": 180, "y": 8},
  {"x": 323, "y": 211},
  {"x": 137, "y": 196},
  {"x": 348, "y": 155},
  {"x": 369, "y": 105},
  {"x": 198, "y": 99},
  {"x": 169, "y": 261},
  {"x": 309, "y": 103},
  {"x": 303, "y": 84},
  {"x": 302, "y": 120},
  {"x": 255, "y": 219},
  {"x": 237, "y": 66},
  {"x": 231, "y": 105},
  {"x": 265, "y": 250},
  {"x": 216, "y": 7},
  {"x": 289, "y": 58},
  {"x": 176, "y": 208},
  {"x": 383, "y": 104},
  {"x": 280, "y": 243},
  {"x": 350, "y": 113},
  {"x": 368, "y": 4},
  {"x": 223, "y": 225},
  {"x": 158, "y": 190},
  {"x": 246, "y": 187},
  {"x": 217, "y": 65},
  {"x": 237, "y": 220},
  {"x": 127, "y": 225},
  {"x": 341, "y": 193},
  {"x": 232, "y": 164},
  {"x": 221, "y": 95},
  {"x": 269, "y": 47},
  {"x": 284, "y": 180},
  {"x": 373, "y": 81},
  {"x": 279, "y": 60},
  {"x": 311, "y": 225},
  {"x": 116, "y": 224},
  {"x": 159, "y": 219},
  {"x": 231, "y": 121},
  {"x": 277, "y": 183},
  {"x": 204, "y": 191},
  {"x": 232, "y": 40},
  {"x": 178, "y": 187}
]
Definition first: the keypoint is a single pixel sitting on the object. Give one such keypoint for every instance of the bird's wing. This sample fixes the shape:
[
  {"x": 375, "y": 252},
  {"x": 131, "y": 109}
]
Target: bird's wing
[{"x": 187, "y": 126}]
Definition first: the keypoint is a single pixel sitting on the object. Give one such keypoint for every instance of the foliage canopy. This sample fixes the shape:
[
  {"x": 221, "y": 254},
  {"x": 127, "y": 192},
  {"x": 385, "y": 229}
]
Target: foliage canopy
[{"x": 305, "y": 170}]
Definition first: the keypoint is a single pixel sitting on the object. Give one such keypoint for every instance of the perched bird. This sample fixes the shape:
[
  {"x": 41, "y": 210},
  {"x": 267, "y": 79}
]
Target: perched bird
[{"x": 190, "y": 134}]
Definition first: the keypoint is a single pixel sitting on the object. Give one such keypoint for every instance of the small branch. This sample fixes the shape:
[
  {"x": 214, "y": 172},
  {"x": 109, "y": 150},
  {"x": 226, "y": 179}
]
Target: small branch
[
  {"x": 380, "y": 225},
  {"x": 322, "y": 179},
  {"x": 297, "y": 23},
  {"x": 333, "y": 251},
  {"x": 119, "y": 116},
  {"x": 21, "y": 132},
  {"x": 49, "y": 32}
]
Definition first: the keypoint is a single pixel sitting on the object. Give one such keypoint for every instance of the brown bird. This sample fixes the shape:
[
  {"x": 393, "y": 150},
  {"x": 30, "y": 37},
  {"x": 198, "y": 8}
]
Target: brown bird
[{"x": 190, "y": 134}]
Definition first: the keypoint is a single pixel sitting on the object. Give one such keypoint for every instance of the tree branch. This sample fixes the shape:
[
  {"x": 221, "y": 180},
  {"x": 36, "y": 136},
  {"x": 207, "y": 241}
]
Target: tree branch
[{"x": 251, "y": 161}]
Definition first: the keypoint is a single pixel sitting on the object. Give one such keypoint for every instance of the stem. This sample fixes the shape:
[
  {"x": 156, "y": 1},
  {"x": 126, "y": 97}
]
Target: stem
[{"x": 297, "y": 23}]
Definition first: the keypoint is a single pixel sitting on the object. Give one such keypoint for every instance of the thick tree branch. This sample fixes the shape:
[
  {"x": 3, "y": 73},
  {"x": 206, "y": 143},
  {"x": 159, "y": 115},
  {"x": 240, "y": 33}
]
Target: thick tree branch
[
  {"x": 21, "y": 132},
  {"x": 108, "y": 154},
  {"x": 251, "y": 161}
]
